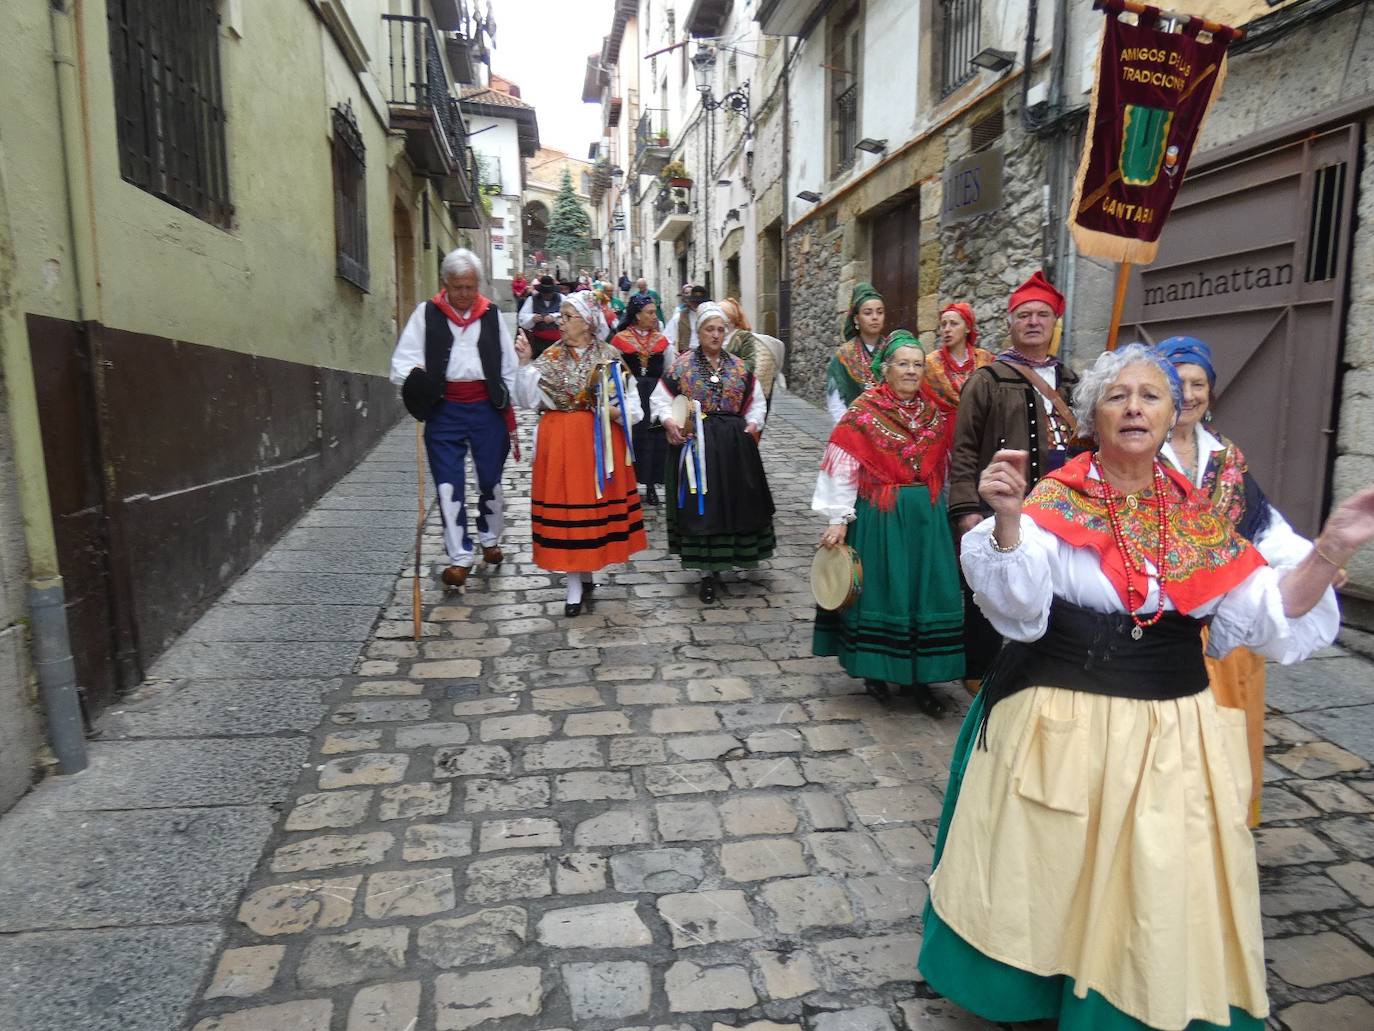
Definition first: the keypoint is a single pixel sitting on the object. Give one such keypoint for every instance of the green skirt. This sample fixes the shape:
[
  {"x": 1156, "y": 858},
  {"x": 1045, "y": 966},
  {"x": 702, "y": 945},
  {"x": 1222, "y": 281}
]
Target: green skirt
[
  {"x": 998, "y": 991},
  {"x": 906, "y": 627}
]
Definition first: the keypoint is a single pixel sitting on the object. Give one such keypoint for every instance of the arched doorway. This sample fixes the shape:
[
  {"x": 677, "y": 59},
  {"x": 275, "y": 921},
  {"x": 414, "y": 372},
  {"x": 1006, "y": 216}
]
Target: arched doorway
[{"x": 536, "y": 233}]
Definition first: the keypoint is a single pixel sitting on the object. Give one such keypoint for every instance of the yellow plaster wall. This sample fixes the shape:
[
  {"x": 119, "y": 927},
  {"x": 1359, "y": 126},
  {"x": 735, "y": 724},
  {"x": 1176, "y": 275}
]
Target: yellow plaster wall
[{"x": 266, "y": 285}]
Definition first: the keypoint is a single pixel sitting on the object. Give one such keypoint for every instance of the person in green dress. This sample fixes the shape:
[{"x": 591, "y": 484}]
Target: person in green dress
[
  {"x": 879, "y": 486},
  {"x": 850, "y": 371}
]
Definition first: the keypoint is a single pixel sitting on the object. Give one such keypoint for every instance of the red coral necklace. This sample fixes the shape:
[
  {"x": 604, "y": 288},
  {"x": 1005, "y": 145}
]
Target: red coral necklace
[{"x": 1119, "y": 536}]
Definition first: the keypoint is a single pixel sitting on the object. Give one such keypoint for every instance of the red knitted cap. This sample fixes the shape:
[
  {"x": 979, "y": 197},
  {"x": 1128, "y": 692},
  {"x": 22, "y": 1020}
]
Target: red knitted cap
[{"x": 1037, "y": 288}]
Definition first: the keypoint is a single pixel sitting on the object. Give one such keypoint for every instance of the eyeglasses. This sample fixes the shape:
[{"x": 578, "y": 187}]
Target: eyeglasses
[{"x": 906, "y": 366}]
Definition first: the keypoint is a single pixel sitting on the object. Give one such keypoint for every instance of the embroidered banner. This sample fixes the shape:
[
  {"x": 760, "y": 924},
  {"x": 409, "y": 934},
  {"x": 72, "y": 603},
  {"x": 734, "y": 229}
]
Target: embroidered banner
[{"x": 1153, "y": 90}]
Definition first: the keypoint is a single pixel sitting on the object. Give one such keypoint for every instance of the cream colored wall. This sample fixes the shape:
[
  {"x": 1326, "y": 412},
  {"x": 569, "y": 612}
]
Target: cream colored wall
[{"x": 266, "y": 285}]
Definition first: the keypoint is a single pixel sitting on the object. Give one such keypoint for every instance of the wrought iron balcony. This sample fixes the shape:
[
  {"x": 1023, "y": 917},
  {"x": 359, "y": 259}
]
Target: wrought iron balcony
[
  {"x": 653, "y": 147},
  {"x": 421, "y": 103},
  {"x": 672, "y": 214}
]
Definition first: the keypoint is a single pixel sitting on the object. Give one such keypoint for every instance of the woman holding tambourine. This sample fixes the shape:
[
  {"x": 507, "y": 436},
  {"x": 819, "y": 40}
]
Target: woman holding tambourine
[
  {"x": 879, "y": 486},
  {"x": 719, "y": 509}
]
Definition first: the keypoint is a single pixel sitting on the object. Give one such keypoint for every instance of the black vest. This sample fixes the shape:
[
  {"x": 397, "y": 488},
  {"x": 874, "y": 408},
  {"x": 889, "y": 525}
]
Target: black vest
[{"x": 424, "y": 389}]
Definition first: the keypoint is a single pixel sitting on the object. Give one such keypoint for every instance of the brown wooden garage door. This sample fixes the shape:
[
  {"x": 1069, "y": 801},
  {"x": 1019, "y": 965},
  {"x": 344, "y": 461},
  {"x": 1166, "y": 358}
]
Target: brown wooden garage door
[
  {"x": 1254, "y": 261},
  {"x": 896, "y": 235}
]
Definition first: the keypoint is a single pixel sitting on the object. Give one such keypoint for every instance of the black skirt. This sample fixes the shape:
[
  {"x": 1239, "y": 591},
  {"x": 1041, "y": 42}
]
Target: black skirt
[
  {"x": 650, "y": 441},
  {"x": 737, "y": 499}
]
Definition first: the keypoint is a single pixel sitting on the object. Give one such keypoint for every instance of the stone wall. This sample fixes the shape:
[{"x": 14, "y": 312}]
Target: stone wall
[
  {"x": 816, "y": 261},
  {"x": 983, "y": 259},
  {"x": 19, "y": 730}
]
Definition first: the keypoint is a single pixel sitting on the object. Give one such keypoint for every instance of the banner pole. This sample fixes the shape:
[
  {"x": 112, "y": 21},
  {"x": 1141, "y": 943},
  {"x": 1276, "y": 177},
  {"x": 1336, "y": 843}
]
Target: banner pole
[{"x": 1123, "y": 276}]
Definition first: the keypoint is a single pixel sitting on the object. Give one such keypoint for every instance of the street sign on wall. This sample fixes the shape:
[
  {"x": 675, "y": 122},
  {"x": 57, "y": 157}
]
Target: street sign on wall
[{"x": 972, "y": 186}]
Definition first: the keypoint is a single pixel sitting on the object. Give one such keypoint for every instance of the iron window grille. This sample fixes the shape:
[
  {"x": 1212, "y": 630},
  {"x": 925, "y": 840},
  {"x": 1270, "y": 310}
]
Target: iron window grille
[
  {"x": 169, "y": 104},
  {"x": 960, "y": 21},
  {"x": 846, "y": 58},
  {"x": 845, "y": 118},
  {"x": 350, "y": 200}
]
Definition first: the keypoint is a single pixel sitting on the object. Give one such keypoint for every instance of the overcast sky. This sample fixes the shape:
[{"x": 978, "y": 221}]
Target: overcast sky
[{"x": 543, "y": 48}]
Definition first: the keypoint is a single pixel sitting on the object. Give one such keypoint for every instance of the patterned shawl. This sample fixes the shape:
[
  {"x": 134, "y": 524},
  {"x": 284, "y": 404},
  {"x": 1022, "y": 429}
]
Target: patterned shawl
[
  {"x": 1206, "y": 557},
  {"x": 1233, "y": 491},
  {"x": 896, "y": 444},
  {"x": 946, "y": 378},
  {"x": 566, "y": 378},
  {"x": 849, "y": 373},
  {"x": 689, "y": 374}
]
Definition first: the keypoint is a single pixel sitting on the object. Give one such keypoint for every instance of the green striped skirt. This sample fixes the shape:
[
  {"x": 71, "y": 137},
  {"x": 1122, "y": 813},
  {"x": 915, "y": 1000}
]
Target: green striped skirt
[{"x": 906, "y": 627}]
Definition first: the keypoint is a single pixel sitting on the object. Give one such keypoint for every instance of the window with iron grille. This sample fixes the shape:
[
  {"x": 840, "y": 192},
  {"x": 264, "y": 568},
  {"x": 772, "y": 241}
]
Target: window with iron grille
[
  {"x": 169, "y": 104},
  {"x": 350, "y": 199},
  {"x": 844, "y": 65},
  {"x": 960, "y": 21}
]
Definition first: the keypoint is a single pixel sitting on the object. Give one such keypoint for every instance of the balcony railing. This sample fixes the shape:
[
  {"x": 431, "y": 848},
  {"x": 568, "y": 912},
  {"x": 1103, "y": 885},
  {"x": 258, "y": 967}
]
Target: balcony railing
[
  {"x": 653, "y": 146},
  {"x": 844, "y": 116},
  {"x": 672, "y": 213},
  {"x": 420, "y": 98},
  {"x": 959, "y": 24}
]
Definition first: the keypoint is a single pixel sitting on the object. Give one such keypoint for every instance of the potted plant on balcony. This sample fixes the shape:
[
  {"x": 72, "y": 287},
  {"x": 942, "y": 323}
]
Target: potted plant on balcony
[
  {"x": 675, "y": 174},
  {"x": 661, "y": 137}
]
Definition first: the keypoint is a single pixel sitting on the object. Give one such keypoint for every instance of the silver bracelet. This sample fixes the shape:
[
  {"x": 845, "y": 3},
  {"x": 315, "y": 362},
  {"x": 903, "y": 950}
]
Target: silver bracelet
[{"x": 992, "y": 539}]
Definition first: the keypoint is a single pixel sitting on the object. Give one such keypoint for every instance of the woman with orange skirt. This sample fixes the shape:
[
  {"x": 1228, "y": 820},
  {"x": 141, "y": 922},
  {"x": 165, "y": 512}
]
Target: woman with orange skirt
[{"x": 585, "y": 512}]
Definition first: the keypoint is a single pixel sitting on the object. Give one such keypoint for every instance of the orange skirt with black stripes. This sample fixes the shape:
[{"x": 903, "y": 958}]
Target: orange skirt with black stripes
[{"x": 574, "y": 531}]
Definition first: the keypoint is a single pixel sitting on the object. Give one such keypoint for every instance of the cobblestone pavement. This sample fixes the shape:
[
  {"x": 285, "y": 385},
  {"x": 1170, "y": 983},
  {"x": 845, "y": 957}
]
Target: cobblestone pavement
[{"x": 659, "y": 816}]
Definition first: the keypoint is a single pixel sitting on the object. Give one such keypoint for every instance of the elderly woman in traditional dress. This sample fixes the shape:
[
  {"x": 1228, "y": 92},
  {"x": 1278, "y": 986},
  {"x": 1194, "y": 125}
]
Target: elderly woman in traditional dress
[
  {"x": 1093, "y": 865},
  {"x": 879, "y": 486},
  {"x": 584, "y": 510},
  {"x": 850, "y": 372},
  {"x": 1217, "y": 468},
  {"x": 951, "y": 364},
  {"x": 725, "y": 522},
  {"x": 643, "y": 348}
]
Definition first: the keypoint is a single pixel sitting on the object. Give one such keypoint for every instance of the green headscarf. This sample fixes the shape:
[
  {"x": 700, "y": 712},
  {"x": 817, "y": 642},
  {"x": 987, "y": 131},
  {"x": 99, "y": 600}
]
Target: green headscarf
[
  {"x": 862, "y": 292},
  {"x": 898, "y": 338}
]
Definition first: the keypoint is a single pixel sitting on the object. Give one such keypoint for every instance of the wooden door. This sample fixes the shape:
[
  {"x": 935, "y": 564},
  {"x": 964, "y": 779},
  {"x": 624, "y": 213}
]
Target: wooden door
[{"x": 897, "y": 263}]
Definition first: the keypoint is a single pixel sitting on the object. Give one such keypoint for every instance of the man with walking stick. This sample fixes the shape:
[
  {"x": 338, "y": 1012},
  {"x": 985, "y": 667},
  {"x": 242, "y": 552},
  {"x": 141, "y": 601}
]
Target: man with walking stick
[{"x": 456, "y": 362}]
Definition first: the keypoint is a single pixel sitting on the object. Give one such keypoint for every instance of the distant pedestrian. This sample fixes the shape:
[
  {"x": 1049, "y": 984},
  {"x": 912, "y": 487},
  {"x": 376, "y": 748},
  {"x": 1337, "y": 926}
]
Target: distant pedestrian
[
  {"x": 850, "y": 372},
  {"x": 456, "y": 363},
  {"x": 682, "y": 329},
  {"x": 539, "y": 315},
  {"x": 624, "y": 283},
  {"x": 519, "y": 287}
]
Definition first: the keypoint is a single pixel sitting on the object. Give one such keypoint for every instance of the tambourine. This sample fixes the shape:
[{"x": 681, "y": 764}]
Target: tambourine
[
  {"x": 837, "y": 577},
  {"x": 682, "y": 415}
]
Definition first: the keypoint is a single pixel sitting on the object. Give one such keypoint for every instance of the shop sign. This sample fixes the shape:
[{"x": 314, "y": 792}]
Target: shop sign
[{"x": 972, "y": 186}]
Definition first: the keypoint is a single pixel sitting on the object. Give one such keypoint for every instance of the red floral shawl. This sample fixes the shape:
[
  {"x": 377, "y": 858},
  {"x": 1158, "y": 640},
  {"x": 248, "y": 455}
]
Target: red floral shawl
[
  {"x": 896, "y": 443},
  {"x": 1206, "y": 556}
]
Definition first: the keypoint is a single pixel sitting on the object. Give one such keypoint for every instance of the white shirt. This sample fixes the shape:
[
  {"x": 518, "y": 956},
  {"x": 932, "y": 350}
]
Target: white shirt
[
  {"x": 755, "y": 409},
  {"x": 1014, "y": 590},
  {"x": 464, "y": 363},
  {"x": 837, "y": 491}
]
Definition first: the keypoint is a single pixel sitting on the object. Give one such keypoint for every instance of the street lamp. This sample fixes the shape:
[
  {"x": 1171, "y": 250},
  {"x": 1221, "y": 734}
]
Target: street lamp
[
  {"x": 871, "y": 146},
  {"x": 703, "y": 65},
  {"x": 992, "y": 59}
]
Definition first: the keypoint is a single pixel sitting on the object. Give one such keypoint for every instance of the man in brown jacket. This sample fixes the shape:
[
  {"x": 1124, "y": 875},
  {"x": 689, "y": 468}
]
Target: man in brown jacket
[{"x": 1020, "y": 401}]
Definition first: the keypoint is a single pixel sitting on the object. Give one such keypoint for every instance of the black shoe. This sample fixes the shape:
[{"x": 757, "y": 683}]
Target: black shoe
[
  {"x": 928, "y": 701},
  {"x": 572, "y": 608},
  {"x": 651, "y": 495},
  {"x": 878, "y": 689},
  {"x": 707, "y": 591}
]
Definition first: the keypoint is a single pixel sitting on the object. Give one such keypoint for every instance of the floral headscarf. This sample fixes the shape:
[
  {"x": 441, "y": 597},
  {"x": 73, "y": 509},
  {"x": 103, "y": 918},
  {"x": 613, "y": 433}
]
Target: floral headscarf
[{"x": 585, "y": 304}]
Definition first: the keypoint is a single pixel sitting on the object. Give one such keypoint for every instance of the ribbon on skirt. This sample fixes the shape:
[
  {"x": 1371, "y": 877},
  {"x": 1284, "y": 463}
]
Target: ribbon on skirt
[
  {"x": 692, "y": 464},
  {"x": 610, "y": 389}
]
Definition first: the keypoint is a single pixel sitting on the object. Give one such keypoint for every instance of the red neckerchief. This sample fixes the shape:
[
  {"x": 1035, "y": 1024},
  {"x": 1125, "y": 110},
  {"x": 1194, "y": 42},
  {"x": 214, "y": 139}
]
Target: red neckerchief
[
  {"x": 965, "y": 366},
  {"x": 641, "y": 342},
  {"x": 1207, "y": 557},
  {"x": 1017, "y": 358},
  {"x": 877, "y": 431},
  {"x": 479, "y": 308}
]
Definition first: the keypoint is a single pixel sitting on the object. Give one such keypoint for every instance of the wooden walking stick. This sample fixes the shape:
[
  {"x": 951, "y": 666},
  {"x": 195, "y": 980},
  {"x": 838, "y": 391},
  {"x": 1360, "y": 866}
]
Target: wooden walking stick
[{"x": 419, "y": 525}]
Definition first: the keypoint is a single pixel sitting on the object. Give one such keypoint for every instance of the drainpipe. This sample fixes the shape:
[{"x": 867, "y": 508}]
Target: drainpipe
[
  {"x": 75, "y": 154},
  {"x": 52, "y": 653}
]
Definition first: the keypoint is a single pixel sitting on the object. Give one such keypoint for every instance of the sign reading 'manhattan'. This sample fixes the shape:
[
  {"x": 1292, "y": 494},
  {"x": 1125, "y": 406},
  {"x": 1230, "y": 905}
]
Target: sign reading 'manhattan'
[
  {"x": 1153, "y": 91},
  {"x": 972, "y": 186}
]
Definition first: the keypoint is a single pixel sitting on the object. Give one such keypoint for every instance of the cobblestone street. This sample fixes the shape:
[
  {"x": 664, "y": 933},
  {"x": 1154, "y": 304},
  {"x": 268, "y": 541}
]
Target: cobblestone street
[{"x": 660, "y": 815}]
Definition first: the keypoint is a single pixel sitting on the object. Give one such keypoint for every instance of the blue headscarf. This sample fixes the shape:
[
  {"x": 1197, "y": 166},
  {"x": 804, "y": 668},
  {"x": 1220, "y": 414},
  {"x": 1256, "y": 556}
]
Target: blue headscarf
[{"x": 1188, "y": 351}]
